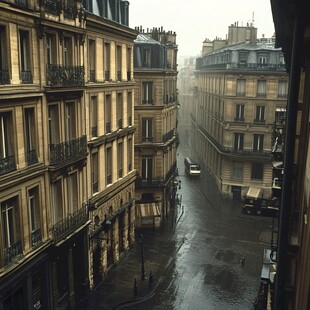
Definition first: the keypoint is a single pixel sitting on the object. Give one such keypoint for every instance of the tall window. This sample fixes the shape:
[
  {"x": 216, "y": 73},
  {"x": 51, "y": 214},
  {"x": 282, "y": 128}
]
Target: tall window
[
  {"x": 4, "y": 73},
  {"x": 147, "y": 168},
  {"x": 67, "y": 51},
  {"x": 238, "y": 170},
  {"x": 53, "y": 122},
  {"x": 119, "y": 110},
  {"x": 34, "y": 215},
  {"x": 258, "y": 143},
  {"x": 282, "y": 89},
  {"x": 57, "y": 201},
  {"x": 6, "y": 135},
  {"x": 128, "y": 59},
  {"x": 238, "y": 145},
  {"x": 94, "y": 116},
  {"x": 119, "y": 63},
  {"x": 129, "y": 154},
  {"x": 241, "y": 88},
  {"x": 147, "y": 135},
  {"x": 30, "y": 136},
  {"x": 73, "y": 192},
  {"x": 261, "y": 88},
  {"x": 262, "y": 60},
  {"x": 94, "y": 172},
  {"x": 243, "y": 59},
  {"x": 109, "y": 165},
  {"x": 70, "y": 120},
  {"x": 260, "y": 114},
  {"x": 50, "y": 49},
  {"x": 257, "y": 171},
  {"x": 24, "y": 57},
  {"x": 92, "y": 60},
  {"x": 120, "y": 157},
  {"x": 147, "y": 95},
  {"x": 146, "y": 57},
  {"x": 239, "y": 113},
  {"x": 129, "y": 108},
  {"x": 107, "y": 61},
  {"x": 108, "y": 113}
]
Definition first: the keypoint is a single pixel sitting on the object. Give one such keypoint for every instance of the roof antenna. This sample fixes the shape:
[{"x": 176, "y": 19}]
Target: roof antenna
[{"x": 253, "y": 19}]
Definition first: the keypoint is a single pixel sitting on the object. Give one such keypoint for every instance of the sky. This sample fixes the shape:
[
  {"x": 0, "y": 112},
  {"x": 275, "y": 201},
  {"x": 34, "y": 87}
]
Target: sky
[{"x": 195, "y": 20}]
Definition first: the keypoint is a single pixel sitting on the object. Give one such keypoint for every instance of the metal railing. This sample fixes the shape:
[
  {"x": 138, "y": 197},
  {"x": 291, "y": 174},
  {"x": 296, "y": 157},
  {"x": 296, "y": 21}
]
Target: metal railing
[
  {"x": 107, "y": 75},
  {"x": 168, "y": 136},
  {"x": 108, "y": 127},
  {"x": 51, "y": 6},
  {"x": 92, "y": 75},
  {"x": 36, "y": 237},
  {"x": 147, "y": 139},
  {"x": 7, "y": 164},
  {"x": 69, "y": 12},
  {"x": 23, "y": 3},
  {"x": 64, "y": 76},
  {"x": 12, "y": 253},
  {"x": 74, "y": 220},
  {"x": 94, "y": 131},
  {"x": 4, "y": 77},
  {"x": 26, "y": 77},
  {"x": 31, "y": 157},
  {"x": 68, "y": 151},
  {"x": 120, "y": 123}
]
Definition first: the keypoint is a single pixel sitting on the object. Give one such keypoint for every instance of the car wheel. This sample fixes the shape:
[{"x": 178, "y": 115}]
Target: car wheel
[{"x": 258, "y": 212}]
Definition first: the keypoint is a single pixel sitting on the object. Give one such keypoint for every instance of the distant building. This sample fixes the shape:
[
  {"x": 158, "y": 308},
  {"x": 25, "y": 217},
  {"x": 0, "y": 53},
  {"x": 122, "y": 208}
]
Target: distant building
[
  {"x": 156, "y": 121},
  {"x": 241, "y": 90}
]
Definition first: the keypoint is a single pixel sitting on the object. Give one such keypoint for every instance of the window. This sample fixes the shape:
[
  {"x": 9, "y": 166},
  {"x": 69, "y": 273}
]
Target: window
[
  {"x": 109, "y": 165},
  {"x": 119, "y": 63},
  {"x": 50, "y": 49},
  {"x": 67, "y": 51},
  {"x": 147, "y": 168},
  {"x": 261, "y": 88},
  {"x": 238, "y": 146},
  {"x": 238, "y": 170},
  {"x": 260, "y": 114},
  {"x": 24, "y": 57},
  {"x": 258, "y": 143},
  {"x": 4, "y": 72},
  {"x": 107, "y": 113},
  {"x": 73, "y": 192},
  {"x": 94, "y": 172},
  {"x": 129, "y": 108},
  {"x": 128, "y": 59},
  {"x": 34, "y": 215},
  {"x": 129, "y": 154},
  {"x": 119, "y": 110},
  {"x": 57, "y": 201},
  {"x": 69, "y": 9},
  {"x": 120, "y": 159},
  {"x": 92, "y": 60},
  {"x": 107, "y": 60},
  {"x": 147, "y": 130},
  {"x": 53, "y": 122},
  {"x": 147, "y": 95},
  {"x": 282, "y": 89},
  {"x": 93, "y": 116},
  {"x": 257, "y": 171},
  {"x": 243, "y": 59},
  {"x": 30, "y": 136},
  {"x": 146, "y": 57},
  {"x": 262, "y": 61},
  {"x": 70, "y": 119},
  {"x": 241, "y": 88},
  {"x": 239, "y": 113},
  {"x": 7, "y": 158}
]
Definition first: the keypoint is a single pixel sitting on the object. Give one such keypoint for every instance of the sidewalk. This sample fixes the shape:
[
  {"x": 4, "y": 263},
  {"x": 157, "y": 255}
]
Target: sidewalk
[{"x": 118, "y": 288}]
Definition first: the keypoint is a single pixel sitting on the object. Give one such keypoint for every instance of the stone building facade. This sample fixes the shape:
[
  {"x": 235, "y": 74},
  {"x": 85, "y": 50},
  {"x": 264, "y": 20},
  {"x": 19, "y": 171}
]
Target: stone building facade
[
  {"x": 156, "y": 120},
  {"x": 66, "y": 161},
  {"x": 241, "y": 90}
]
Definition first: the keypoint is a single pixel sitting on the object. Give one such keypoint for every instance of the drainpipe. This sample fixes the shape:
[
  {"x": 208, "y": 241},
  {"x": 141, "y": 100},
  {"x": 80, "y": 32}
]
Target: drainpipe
[{"x": 286, "y": 201}]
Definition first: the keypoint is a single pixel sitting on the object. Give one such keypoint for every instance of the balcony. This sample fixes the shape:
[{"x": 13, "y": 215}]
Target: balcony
[
  {"x": 147, "y": 139},
  {"x": 64, "y": 76},
  {"x": 94, "y": 131},
  {"x": 69, "y": 12},
  {"x": 95, "y": 187},
  {"x": 12, "y": 253},
  {"x": 26, "y": 77},
  {"x": 22, "y": 3},
  {"x": 107, "y": 75},
  {"x": 108, "y": 127},
  {"x": 120, "y": 123},
  {"x": 147, "y": 101},
  {"x": 31, "y": 157},
  {"x": 73, "y": 221},
  {"x": 109, "y": 179},
  {"x": 120, "y": 172},
  {"x": 119, "y": 75},
  {"x": 168, "y": 136},
  {"x": 4, "y": 77},
  {"x": 52, "y": 7},
  {"x": 238, "y": 120},
  {"x": 36, "y": 237},
  {"x": 7, "y": 165},
  {"x": 259, "y": 121},
  {"x": 68, "y": 151},
  {"x": 92, "y": 75}
]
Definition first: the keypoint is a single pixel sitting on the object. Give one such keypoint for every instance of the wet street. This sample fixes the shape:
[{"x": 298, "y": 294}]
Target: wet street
[{"x": 210, "y": 239}]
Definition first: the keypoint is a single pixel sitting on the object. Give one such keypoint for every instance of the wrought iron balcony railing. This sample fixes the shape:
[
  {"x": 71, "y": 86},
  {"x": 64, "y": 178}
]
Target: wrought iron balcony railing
[
  {"x": 69, "y": 12},
  {"x": 7, "y": 164},
  {"x": 27, "y": 77},
  {"x": 147, "y": 139},
  {"x": 108, "y": 127},
  {"x": 109, "y": 179},
  {"x": 67, "y": 151},
  {"x": 12, "y": 253},
  {"x": 120, "y": 172},
  {"x": 95, "y": 187},
  {"x": 66, "y": 226},
  {"x": 92, "y": 75},
  {"x": 147, "y": 101},
  {"x": 94, "y": 131},
  {"x": 36, "y": 237},
  {"x": 31, "y": 157},
  {"x": 120, "y": 123},
  {"x": 4, "y": 77},
  {"x": 168, "y": 136},
  {"x": 119, "y": 75},
  {"x": 107, "y": 75},
  {"x": 52, "y": 6},
  {"x": 23, "y": 3},
  {"x": 64, "y": 76}
]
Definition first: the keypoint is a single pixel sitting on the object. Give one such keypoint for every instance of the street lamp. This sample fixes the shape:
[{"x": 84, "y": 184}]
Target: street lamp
[{"x": 142, "y": 258}]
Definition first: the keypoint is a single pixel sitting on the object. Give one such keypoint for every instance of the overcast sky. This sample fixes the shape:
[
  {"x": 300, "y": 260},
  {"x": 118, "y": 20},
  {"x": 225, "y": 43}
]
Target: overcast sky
[{"x": 195, "y": 20}]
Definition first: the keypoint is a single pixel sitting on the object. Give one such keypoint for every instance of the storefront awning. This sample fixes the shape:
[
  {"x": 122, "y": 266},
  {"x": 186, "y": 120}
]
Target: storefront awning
[{"x": 148, "y": 209}]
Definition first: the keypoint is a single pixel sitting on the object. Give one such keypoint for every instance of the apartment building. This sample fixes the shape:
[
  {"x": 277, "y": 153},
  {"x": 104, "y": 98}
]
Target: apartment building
[
  {"x": 241, "y": 90},
  {"x": 66, "y": 181},
  {"x": 155, "y": 70},
  {"x": 292, "y": 284}
]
